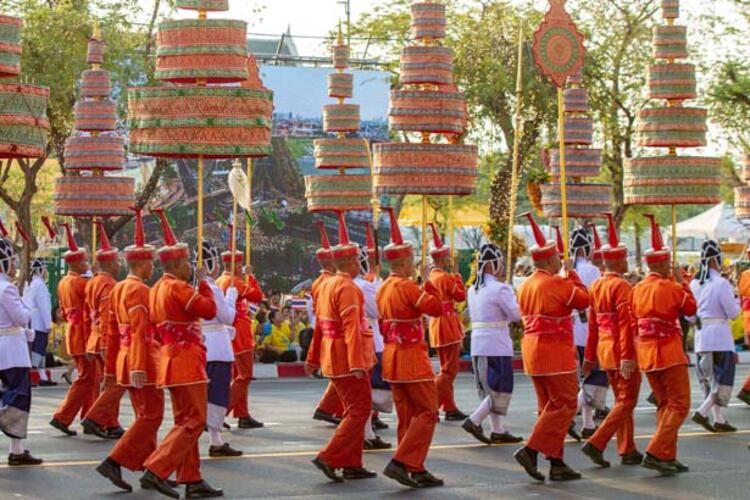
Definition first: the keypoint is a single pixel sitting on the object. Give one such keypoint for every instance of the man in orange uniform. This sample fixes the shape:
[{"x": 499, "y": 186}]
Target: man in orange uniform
[
  {"x": 243, "y": 345},
  {"x": 330, "y": 408},
  {"x": 547, "y": 300},
  {"x": 71, "y": 296},
  {"x": 446, "y": 333},
  {"x": 611, "y": 345},
  {"x": 176, "y": 309},
  {"x": 135, "y": 360},
  {"x": 101, "y": 420},
  {"x": 406, "y": 365},
  {"x": 744, "y": 289},
  {"x": 658, "y": 302},
  {"x": 345, "y": 354}
]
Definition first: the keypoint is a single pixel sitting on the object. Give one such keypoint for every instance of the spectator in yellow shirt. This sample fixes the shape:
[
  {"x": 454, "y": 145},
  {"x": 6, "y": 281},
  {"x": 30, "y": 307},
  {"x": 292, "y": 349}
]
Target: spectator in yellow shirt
[{"x": 276, "y": 346}]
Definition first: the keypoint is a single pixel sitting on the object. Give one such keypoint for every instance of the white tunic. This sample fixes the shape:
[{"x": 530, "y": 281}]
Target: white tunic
[
  {"x": 14, "y": 322},
  {"x": 369, "y": 289},
  {"x": 717, "y": 305},
  {"x": 588, "y": 274},
  {"x": 218, "y": 332},
  {"x": 36, "y": 296},
  {"x": 491, "y": 309}
]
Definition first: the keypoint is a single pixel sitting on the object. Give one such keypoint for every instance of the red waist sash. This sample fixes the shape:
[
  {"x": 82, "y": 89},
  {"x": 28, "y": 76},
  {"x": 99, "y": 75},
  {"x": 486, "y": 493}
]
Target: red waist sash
[
  {"x": 179, "y": 333},
  {"x": 658, "y": 328},
  {"x": 607, "y": 323},
  {"x": 448, "y": 308},
  {"x": 126, "y": 335},
  {"x": 545, "y": 325},
  {"x": 402, "y": 332},
  {"x": 331, "y": 328},
  {"x": 746, "y": 303},
  {"x": 74, "y": 316}
]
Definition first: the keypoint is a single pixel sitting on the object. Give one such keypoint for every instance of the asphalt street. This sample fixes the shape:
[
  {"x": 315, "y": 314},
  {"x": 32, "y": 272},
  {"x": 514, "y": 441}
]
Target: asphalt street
[{"x": 277, "y": 458}]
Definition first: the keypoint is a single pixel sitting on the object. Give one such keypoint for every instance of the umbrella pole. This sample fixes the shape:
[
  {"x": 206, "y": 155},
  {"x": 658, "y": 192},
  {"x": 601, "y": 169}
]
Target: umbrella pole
[
  {"x": 563, "y": 178},
  {"x": 674, "y": 235},
  {"x": 452, "y": 233},
  {"x": 423, "y": 262},
  {"x": 375, "y": 202},
  {"x": 518, "y": 134},
  {"x": 200, "y": 212},
  {"x": 233, "y": 234},
  {"x": 93, "y": 241},
  {"x": 248, "y": 226}
]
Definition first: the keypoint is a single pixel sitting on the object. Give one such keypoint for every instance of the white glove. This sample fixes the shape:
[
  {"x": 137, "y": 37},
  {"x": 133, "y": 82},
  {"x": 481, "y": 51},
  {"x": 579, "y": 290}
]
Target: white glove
[
  {"x": 231, "y": 296},
  {"x": 30, "y": 334},
  {"x": 232, "y": 332}
]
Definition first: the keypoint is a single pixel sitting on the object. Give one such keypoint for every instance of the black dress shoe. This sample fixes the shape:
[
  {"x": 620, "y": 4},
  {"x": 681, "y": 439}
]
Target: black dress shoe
[
  {"x": 248, "y": 423},
  {"x": 660, "y": 466},
  {"x": 595, "y": 455},
  {"x": 528, "y": 463},
  {"x": 115, "y": 432},
  {"x": 703, "y": 421},
  {"x": 150, "y": 481},
  {"x": 202, "y": 489},
  {"x": 561, "y": 472},
  {"x": 62, "y": 427},
  {"x": 475, "y": 430},
  {"x": 378, "y": 424},
  {"x": 679, "y": 466},
  {"x": 92, "y": 428},
  {"x": 172, "y": 483},
  {"x": 25, "y": 458},
  {"x": 330, "y": 472},
  {"x": 573, "y": 433},
  {"x": 326, "y": 417},
  {"x": 223, "y": 451},
  {"x": 504, "y": 438},
  {"x": 724, "y": 427},
  {"x": 602, "y": 414},
  {"x": 455, "y": 416},
  {"x": 586, "y": 432},
  {"x": 226, "y": 426},
  {"x": 635, "y": 457},
  {"x": 66, "y": 378},
  {"x": 112, "y": 471},
  {"x": 398, "y": 473},
  {"x": 353, "y": 473},
  {"x": 652, "y": 399},
  {"x": 426, "y": 480},
  {"x": 376, "y": 444},
  {"x": 47, "y": 383},
  {"x": 744, "y": 396}
]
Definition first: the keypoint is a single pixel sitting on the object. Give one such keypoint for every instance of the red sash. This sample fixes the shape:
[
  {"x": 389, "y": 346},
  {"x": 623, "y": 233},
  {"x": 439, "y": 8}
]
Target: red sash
[
  {"x": 126, "y": 335},
  {"x": 658, "y": 328},
  {"x": 545, "y": 325},
  {"x": 402, "y": 332},
  {"x": 746, "y": 303},
  {"x": 179, "y": 333},
  {"x": 331, "y": 328},
  {"x": 448, "y": 308},
  {"x": 74, "y": 316},
  {"x": 607, "y": 323}
]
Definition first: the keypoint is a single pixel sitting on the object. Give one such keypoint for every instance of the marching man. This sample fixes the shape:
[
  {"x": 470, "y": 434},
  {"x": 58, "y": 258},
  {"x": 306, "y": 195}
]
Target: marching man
[
  {"x": 345, "y": 353},
  {"x": 744, "y": 292},
  {"x": 37, "y": 296},
  {"x": 406, "y": 365},
  {"x": 492, "y": 307},
  {"x": 611, "y": 346},
  {"x": 658, "y": 301},
  {"x": 547, "y": 301}
]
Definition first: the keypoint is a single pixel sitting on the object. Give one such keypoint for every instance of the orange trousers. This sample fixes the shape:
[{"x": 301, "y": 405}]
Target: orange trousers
[
  {"x": 746, "y": 385},
  {"x": 671, "y": 388},
  {"x": 557, "y": 399},
  {"x": 620, "y": 418},
  {"x": 106, "y": 409},
  {"x": 344, "y": 450},
  {"x": 139, "y": 441},
  {"x": 242, "y": 375},
  {"x": 179, "y": 449},
  {"x": 82, "y": 393},
  {"x": 330, "y": 401},
  {"x": 417, "y": 410},
  {"x": 448, "y": 356}
]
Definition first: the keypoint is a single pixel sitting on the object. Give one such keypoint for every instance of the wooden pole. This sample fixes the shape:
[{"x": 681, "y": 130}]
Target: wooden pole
[
  {"x": 93, "y": 242},
  {"x": 423, "y": 263},
  {"x": 674, "y": 235},
  {"x": 563, "y": 177},
  {"x": 375, "y": 202},
  {"x": 200, "y": 211},
  {"x": 518, "y": 134},
  {"x": 233, "y": 232},
  {"x": 452, "y": 232},
  {"x": 248, "y": 216}
]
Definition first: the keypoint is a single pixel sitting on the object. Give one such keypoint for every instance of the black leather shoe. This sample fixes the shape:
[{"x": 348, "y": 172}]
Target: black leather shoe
[
  {"x": 475, "y": 430},
  {"x": 660, "y": 466},
  {"x": 223, "y": 451},
  {"x": 248, "y": 423},
  {"x": 703, "y": 421},
  {"x": 426, "y": 480},
  {"x": 679, "y": 466},
  {"x": 62, "y": 427},
  {"x": 376, "y": 444},
  {"x": 47, "y": 383},
  {"x": 595, "y": 455},
  {"x": 326, "y": 417},
  {"x": 652, "y": 399},
  {"x": 635, "y": 457},
  {"x": 202, "y": 489},
  {"x": 112, "y": 471},
  {"x": 528, "y": 463},
  {"x": 455, "y": 416},
  {"x": 226, "y": 426},
  {"x": 330, "y": 472},
  {"x": 92, "y": 428},
  {"x": 115, "y": 432},
  {"x": 66, "y": 378},
  {"x": 150, "y": 481},
  {"x": 398, "y": 473},
  {"x": 586, "y": 433},
  {"x": 562, "y": 472},
  {"x": 573, "y": 433},
  {"x": 504, "y": 438},
  {"x": 724, "y": 427},
  {"x": 744, "y": 396},
  {"x": 353, "y": 473},
  {"x": 25, "y": 458},
  {"x": 378, "y": 424},
  {"x": 602, "y": 413},
  {"x": 172, "y": 483}
]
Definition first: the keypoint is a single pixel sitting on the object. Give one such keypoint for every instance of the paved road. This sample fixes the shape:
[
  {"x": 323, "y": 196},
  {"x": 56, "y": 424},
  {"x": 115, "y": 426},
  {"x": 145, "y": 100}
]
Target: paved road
[{"x": 277, "y": 460}]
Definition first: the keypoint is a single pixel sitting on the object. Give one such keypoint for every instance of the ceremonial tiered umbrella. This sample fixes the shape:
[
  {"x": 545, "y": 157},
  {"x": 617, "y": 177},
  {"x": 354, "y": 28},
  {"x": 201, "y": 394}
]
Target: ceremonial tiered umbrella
[
  {"x": 742, "y": 194},
  {"x": 194, "y": 115},
  {"x": 428, "y": 103},
  {"x": 671, "y": 179},
  {"x": 93, "y": 149}
]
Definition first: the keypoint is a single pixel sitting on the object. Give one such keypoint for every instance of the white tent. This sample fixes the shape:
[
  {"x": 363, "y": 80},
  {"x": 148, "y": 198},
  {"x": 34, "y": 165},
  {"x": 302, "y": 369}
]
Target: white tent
[{"x": 718, "y": 223}]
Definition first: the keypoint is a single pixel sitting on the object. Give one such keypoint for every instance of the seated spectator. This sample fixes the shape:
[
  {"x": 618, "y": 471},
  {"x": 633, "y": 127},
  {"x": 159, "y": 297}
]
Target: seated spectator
[{"x": 277, "y": 345}]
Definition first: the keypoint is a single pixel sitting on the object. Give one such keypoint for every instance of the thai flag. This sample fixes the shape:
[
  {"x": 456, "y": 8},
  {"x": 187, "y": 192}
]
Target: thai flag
[
  {"x": 299, "y": 304},
  {"x": 253, "y": 309}
]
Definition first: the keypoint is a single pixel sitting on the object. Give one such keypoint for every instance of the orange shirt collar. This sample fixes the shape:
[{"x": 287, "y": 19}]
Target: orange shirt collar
[{"x": 134, "y": 277}]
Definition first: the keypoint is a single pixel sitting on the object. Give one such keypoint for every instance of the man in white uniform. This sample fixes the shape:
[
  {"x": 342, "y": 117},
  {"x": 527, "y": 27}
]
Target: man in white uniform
[
  {"x": 492, "y": 307},
  {"x": 217, "y": 336},
  {"x": 37, "y": 296},
  {"x": 15, "y": 395},
  {"x": 714, "y": 345}
]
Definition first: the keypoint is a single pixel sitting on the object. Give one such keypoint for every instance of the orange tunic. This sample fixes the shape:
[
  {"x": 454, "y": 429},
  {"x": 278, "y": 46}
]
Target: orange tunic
[
  {"x": 176, "y": 309},
  {"x": 657, "y": 304},
  {"x": 71, "y": 295},
  {"x": 446, "y": 329},
  {"x": 546, "y": 303},
  {"x": 98, "y": 290},
  {"x": 612, "y": 326},
  {"x": 314, "y": 291},
  {"x": 138, "y": 349},
  {"x": 247, "y": 292},
  {"x": 744, "y": 288},
  {"x": 401, "y": 304}
]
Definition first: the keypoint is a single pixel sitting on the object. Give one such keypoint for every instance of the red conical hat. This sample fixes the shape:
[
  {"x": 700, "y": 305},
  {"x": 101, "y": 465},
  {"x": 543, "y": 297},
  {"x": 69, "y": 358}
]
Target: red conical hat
[
  {"x": 74, "y": 254},
  {"x": 439, "y": 249},
  {"x": 172, "y": 248},
  {"x": 397, "y": 248},
  {"x": 106, "y": 251},
  {"x": 614, "y": 250},
  {"x": 21, "y": 232},
  {"x": 3, "y": 230},
  {"x": 597, "y": 254},
  {"x": 139, "y": 251},
  {"x": 559, "y": 241},
  {"x": 345, "y": 248},
  {"x": 370, "y": 237},
  {"x": 324, "y": 252},
  {"x": 50, "y": 228},
  {"x": 226, "y": 257},
  {"x": 542, "y": 250},
  {"x": 658, "y": 252}
]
